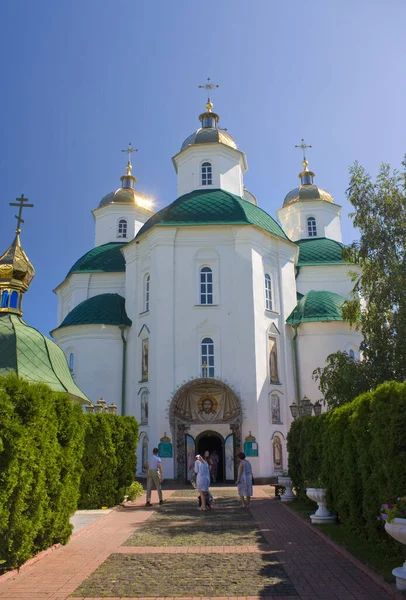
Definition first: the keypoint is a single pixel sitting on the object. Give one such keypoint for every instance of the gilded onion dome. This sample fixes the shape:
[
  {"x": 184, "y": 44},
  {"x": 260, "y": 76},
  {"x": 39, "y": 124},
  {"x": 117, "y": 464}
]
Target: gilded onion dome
[
  {"x": 209, "y": 133},
  {"x": 127, "y": 194},
  {"x": 307, "y": 191},
  {"x": 16, "y": 271}
]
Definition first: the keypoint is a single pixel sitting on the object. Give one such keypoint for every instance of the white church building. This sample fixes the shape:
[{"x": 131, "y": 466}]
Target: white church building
[{"x": 206, "y": 319}]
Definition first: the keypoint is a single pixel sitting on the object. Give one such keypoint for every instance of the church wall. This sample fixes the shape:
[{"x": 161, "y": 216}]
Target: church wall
[
  {"x": 107, "y": 218},
  {"x": 332, "y": 278},
  {"x": 226, "y": 168},
  {"x": 315, "y": 342},
  {"x": 277, "y": 259},
  {"x": 293, "y": 219},
  {"x": 98, "y": 351}
]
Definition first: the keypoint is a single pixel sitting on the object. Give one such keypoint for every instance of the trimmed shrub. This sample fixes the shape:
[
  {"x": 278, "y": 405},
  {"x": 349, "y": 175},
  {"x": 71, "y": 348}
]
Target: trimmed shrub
[
  {"x": 359, "y": 451},
  {"x": 41, "y": 445},
  {"x": 109, "y": 459}
]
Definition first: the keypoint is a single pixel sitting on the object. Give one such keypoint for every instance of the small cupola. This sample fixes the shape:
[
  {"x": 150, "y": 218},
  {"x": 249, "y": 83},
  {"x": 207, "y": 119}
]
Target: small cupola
[
  {"x": 209, "y": 156},
  {"x": 16, "y": 271}
]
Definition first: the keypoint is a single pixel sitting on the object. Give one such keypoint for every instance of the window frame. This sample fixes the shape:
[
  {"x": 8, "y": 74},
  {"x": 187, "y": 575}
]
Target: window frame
[
  {"x": 146, "y": 292},
  {"x": 206, "y": 271},
  {"x": 206, "y": 173},
  {"x": 268, "y": 284},
  {"x": 123, "y": 224},
  {"x": 311, "y": 225},
  {"x": 207, "y": 352}
]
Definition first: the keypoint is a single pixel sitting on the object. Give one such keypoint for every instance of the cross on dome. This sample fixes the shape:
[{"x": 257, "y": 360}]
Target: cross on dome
[
  {"x": 209, "y": 86},
  {"x": 129, "y": 151},
  {"x": 303, "y": 146},
  {"x": 20, "y": 202}
]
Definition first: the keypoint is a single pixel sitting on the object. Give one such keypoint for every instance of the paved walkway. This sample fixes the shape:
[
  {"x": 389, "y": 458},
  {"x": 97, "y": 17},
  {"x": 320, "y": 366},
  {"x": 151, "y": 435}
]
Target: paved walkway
[{"x": 175, "y": 551}]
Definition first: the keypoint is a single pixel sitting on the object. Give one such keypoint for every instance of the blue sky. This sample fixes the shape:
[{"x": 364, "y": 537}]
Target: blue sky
[{"x": 80, "y": 79}]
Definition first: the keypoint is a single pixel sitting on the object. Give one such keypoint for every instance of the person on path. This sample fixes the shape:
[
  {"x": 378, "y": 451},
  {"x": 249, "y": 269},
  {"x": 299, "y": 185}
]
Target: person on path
[
  {"x": 202, "y": 479},
  {"x": 155, "y": 476},
  {"x": 244, "y": 480},
  {"x": 214, "y": 457}
]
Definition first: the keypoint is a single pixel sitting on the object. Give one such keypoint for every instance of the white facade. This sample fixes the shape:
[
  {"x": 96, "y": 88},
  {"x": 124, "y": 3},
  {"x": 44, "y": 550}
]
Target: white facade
[{"x": 208, "y": 306}]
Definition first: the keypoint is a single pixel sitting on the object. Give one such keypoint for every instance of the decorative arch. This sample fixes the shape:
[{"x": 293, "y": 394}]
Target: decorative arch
[
  {"x": 278, "y": 450},
  {"x": 203, "y": 401}
]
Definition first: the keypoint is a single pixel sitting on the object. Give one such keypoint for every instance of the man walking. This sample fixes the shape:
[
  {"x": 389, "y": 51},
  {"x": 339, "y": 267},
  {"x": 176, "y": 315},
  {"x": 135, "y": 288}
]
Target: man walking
[{"x": 155, "y": 475}]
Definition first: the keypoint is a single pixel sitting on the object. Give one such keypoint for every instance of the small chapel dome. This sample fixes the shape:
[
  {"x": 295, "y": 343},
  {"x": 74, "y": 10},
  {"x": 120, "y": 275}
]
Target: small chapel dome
[
  {"x": 209, "y": 133},
  {"x": 127, "y": 194},
  {"x": 307, "y": 191}
]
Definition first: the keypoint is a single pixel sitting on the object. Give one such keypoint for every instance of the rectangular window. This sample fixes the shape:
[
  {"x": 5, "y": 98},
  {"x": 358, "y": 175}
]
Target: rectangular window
[{"x": 268, "y": 292}]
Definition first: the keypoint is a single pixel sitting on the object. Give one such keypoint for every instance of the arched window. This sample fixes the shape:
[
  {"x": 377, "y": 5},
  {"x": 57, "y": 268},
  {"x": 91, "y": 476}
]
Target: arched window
[
  {"x": 206, "y": 285},
  {"x": 122, "y": 228},
  {"x": 14, "y": 300},
  {"x": 144, "y": 408},
  {"x": 4, "y": 299},
  {"x": 147, "y": 282},
  {"x": 351, "y": 354},
  {"x": 268, "y": 292},
  {"x": 71, "y": 362},
  {"x": 311, "y": 227},
  {"x": 206, "y": 174},
  {"x": 207, "y": 357}
]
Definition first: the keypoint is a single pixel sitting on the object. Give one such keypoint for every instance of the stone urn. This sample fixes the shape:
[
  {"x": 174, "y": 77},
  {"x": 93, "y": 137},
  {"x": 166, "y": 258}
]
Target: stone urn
[
  {"x": 397, "y": 529},
  {"x": 288, "y": 495},
  {"x": 322, "y": 514}
]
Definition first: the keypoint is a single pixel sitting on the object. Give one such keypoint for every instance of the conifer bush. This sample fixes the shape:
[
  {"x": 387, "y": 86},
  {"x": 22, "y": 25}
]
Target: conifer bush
[
  {"x": 39, "y": 476},
  {"x": 359, "y": 452}
]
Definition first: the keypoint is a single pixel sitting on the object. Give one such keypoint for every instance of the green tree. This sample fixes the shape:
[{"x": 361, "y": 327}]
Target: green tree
[
  {"x": 380, "y": 215},
  {"x": 342, "y": 379},
  {"x": 380, "y": 280}
]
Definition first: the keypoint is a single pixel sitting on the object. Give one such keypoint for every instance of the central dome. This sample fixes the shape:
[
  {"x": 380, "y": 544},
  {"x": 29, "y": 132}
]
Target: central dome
[
  {"x": 126, "y": 195},
  {"x": 209, "y": 135}
]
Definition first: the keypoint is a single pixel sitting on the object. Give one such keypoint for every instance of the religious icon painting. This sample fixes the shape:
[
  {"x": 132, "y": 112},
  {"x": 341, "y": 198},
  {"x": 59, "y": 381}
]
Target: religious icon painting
[
  {"x": 273, "y": 360},
  {"x": 144, "y": 365}
]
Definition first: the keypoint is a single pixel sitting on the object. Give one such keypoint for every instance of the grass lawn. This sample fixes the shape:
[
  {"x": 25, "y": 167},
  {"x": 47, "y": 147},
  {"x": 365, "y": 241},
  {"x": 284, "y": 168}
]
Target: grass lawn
[{"x": 372, "y": 555}]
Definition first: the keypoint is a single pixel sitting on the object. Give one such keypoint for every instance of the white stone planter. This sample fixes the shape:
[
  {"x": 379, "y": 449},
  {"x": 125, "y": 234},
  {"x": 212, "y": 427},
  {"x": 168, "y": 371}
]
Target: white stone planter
[
  {"x": 397, "y": 529},
  {"x": 288, "y": 496},
  {"x": 322, "y": 514}
]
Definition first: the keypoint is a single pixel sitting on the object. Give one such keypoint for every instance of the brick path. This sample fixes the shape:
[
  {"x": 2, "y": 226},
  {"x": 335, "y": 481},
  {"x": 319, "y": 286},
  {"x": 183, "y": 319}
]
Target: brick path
[{"x": 311, "y": 568}]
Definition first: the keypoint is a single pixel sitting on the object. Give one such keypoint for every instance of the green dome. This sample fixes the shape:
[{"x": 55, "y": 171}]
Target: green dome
[
  {"x": 104, "y": 309},
  {"x": 317, "y": 306},
  {"x": 214, "y": 207},
  {"x": 316, "y": 251},
  {"x": 107, "y": 258},
  {"x": 34, "y": 357}
]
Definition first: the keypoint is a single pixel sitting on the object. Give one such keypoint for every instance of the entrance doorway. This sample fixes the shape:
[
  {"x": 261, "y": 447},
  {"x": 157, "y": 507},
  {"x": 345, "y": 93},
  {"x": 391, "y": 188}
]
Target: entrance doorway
[{"x": 212, "y": 441}]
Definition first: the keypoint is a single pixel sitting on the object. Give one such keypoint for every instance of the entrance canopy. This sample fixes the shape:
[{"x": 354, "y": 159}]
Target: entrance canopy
[{"x": 205, "y": 401}]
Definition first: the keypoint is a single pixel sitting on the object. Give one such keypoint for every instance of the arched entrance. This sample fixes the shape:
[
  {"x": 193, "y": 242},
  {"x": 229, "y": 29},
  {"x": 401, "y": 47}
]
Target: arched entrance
[
  {"x": 212, "y": 442},
  {"x": 206, "y": 413}
]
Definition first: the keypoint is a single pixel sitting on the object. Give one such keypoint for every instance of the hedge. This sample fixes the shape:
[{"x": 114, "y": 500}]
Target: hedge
[
  {"x": 41, "y": 445},
  {"x": 359, "y": 451},
  {"x": 52, "y": 459},
  {"x": 109, "y": 459}
]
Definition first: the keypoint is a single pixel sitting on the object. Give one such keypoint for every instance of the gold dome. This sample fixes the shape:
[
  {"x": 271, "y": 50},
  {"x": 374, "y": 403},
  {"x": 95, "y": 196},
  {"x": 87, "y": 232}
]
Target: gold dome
[
  {"x": 126, "y": 195},
  {"x": 307, "y": 193}
]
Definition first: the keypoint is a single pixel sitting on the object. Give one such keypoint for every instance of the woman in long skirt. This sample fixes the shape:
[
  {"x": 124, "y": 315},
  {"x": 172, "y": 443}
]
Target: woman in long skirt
[
  {"x": 244, "y": 480},
  {"x": 202, "y": 479}
]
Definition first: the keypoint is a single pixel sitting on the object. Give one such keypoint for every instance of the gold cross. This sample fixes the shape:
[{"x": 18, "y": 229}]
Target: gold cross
[
  {"x": 303, "y": 147},
  {"x": 204, "y": 366},
  {"x": 20, "y": 202},
  {"x": 129, "y": 150},
  {"x": 208, "y": 86}
]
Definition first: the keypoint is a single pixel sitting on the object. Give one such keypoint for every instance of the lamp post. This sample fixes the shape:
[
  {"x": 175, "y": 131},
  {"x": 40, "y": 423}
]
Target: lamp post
[{"x": 304, "y": 408}]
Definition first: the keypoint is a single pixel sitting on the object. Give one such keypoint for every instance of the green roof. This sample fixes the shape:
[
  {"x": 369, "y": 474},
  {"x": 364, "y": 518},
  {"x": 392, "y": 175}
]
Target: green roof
[
  {"x": 317, "y": 251},
  {"x": 317, "y": 306},
  {"x": 104, "y": 309},
  {"x": 107, "y": 258},
  {"x": 214, "y": 207},
  {"x": 34, "y": 357}
]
